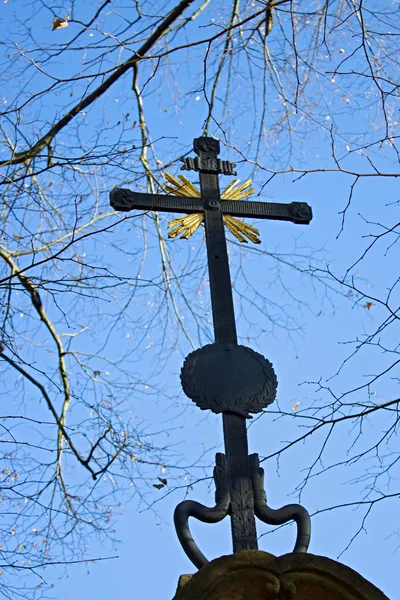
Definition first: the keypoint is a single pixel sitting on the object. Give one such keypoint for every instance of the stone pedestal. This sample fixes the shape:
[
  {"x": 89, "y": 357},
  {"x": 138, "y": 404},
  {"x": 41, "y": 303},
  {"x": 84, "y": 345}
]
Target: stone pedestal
[{"x": 256, "y": 575}]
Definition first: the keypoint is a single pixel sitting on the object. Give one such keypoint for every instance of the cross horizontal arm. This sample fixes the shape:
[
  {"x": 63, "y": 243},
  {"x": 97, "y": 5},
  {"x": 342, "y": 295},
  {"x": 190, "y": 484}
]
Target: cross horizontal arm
[
  {"x": 296, "y": 212},
  {"x": 125, "y": 200}
]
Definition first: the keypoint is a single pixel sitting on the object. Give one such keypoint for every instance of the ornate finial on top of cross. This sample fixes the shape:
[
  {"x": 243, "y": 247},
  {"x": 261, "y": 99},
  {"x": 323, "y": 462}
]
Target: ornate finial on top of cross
[
  {"x": 207, "y": 145},
  {"x": 207, "y": 150}
]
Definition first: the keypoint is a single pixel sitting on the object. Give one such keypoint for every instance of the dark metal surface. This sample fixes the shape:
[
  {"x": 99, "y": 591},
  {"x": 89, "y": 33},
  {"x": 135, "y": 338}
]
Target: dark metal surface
[
  {"x": 234, "y": 385},
  {"x": 290, "y": 512},
  {"x": 190, "y": 508},
  {"x": 219, "y": 166},
  {"x": 243, "y": 526},
  {"x": 227, "y": 377},
  {"x": 124, "y": 200},
  {"x": 296, "y": 212},
  {"x": 241, "y": 500}
]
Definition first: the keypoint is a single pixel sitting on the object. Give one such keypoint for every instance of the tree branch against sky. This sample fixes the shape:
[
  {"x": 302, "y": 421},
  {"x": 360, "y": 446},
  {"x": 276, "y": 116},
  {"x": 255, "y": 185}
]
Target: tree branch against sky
[{"x": 95, "y": 307}]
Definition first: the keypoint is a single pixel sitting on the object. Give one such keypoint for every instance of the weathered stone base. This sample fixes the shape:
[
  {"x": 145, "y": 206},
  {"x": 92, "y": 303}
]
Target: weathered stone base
[{"x": 256, "y": 575}]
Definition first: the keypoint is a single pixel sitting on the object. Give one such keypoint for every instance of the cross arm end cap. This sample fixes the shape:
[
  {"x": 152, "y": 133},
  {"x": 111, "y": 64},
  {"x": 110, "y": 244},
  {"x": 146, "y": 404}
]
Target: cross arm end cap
[
  {"x": 301, "y": 212},
  {"x": 119, "y": 199}
]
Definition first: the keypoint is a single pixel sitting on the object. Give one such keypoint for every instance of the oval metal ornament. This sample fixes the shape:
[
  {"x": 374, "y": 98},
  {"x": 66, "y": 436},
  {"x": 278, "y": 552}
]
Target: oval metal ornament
[{"x": 229, "y": 378}]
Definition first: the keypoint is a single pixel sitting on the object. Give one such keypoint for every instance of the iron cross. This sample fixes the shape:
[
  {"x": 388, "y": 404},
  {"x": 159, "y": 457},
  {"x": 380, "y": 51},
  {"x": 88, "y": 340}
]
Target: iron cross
[{"x": 224, "y": 376}]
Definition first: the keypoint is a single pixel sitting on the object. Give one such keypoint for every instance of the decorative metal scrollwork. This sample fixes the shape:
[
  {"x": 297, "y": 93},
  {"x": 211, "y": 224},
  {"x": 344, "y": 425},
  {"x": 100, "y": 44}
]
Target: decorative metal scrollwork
[
  {"x": 190, "y": 508},
  {"x": 290, "y": 512},
  {"x": 224, "y": 487}
]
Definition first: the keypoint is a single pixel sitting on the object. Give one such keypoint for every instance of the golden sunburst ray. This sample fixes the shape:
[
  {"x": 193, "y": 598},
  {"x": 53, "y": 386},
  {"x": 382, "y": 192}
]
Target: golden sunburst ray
[{"x": 186, "y": 226}]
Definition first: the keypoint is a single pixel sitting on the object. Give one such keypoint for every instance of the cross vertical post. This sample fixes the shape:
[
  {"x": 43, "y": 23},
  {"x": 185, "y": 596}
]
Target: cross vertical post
[
  {"x": 217, "y": 253},
  {"x": 244, "y": 535}
]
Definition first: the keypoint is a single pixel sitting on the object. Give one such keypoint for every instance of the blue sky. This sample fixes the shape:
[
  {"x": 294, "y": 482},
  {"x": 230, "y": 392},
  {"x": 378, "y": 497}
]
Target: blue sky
[
  {"x": 300, "y": 322},
  {"x": 150, "y": 558}
]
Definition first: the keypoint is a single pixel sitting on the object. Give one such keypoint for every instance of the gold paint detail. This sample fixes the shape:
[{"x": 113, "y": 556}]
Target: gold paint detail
[{"x": 186, "y": 226}]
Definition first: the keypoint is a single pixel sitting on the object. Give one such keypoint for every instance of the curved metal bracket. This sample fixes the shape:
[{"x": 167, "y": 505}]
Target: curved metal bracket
[
  {"x": 190, "y": 508},
  {"x": 290, "y": 512}
]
